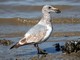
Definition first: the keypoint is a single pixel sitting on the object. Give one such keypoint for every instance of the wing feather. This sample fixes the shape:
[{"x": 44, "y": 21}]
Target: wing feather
[{"x": 33, "y": 38}]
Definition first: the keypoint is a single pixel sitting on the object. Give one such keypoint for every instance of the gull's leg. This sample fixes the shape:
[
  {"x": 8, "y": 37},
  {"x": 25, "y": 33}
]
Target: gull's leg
[{"x": 40, "y": 51}]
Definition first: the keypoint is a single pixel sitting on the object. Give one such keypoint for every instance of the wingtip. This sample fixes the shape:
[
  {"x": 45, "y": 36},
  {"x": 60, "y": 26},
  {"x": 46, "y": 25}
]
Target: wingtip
[
  {"x": 15, "y": 46},
  {"x": 12, "y": 47}
]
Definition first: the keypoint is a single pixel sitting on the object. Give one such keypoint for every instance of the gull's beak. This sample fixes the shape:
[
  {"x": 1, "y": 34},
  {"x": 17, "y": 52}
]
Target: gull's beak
[{"x": 56, "y": 10}]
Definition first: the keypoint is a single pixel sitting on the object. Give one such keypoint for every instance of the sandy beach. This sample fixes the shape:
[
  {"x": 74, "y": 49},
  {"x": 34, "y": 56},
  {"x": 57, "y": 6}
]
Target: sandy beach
[
  {"x": 8, "y": 32},
  {"x": 17, "y": 17}
]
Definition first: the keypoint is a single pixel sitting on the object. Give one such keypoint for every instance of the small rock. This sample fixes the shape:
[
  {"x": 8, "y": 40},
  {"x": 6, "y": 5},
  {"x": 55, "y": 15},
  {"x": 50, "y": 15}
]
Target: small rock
[{"x": 5, "y": 42}]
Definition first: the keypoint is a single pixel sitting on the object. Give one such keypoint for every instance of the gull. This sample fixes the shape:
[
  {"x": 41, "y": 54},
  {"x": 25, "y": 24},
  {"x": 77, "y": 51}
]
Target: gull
[{"x": 40, "y": 32}]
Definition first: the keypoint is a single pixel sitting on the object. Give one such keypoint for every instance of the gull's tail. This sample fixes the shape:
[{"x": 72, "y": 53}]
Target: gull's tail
[
  {"x": 15, "y": 46},
  {"x": 23, "y": 41}
]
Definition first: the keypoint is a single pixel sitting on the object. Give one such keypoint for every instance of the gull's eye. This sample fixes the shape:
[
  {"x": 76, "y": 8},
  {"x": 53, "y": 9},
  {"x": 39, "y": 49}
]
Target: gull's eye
[{"x": 49, "y": 7}]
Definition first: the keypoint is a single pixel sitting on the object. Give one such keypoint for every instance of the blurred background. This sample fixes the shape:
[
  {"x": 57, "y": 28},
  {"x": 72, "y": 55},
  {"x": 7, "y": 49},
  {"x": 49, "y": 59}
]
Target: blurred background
[
  {"x": 18, "y": 16},
  {"x": 32, "y": 8}
]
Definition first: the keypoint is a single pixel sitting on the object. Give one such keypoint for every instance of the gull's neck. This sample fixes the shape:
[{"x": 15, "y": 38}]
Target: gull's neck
[{"x": 45, "y": 19}]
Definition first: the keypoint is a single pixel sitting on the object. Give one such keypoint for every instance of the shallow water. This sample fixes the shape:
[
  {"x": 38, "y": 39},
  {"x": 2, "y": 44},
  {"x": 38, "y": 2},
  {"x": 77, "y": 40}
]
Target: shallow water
[
  {"x": 32, "y": 8},
  {"x": 14, "y": 30},
  {"x": 8, "y": 29},
  {"x": 29, "y": 51}
]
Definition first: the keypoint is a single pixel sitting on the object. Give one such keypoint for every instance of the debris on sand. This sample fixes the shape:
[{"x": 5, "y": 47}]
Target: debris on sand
[
  {"x": 5, "y": 42},
  {"x": 68, "y": 47}
]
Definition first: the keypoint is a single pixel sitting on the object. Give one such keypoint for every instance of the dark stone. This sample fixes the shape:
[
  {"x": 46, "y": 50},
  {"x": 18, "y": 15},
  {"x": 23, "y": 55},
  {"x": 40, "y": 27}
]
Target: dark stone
[
  {"x": 63, "y": 49},
  {"x": 70, "y": 47},
  {"x": 57, "y": 47},
  {"x": 77, "y": 46}
]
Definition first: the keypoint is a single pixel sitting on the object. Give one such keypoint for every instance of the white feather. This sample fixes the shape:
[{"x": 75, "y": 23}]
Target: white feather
[{"x": 49, "y": 30}]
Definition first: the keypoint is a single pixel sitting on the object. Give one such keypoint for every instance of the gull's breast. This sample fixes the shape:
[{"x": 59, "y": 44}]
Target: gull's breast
[{"x": 48, "y": 32}]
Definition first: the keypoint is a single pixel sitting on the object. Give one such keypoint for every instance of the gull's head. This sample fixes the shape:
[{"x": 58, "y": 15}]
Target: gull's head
[{"x": 49, "y": 8}]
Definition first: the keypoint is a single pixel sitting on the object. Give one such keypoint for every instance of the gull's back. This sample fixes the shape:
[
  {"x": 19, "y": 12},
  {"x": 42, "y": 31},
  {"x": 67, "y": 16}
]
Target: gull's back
[{"x": 36, "y": 29}]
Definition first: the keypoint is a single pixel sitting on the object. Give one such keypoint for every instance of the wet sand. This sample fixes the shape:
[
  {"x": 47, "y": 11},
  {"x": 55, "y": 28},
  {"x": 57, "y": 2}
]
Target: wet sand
[
  {"x": 14, "y": 29},
  {"x": 17, "y": 17},
  {"x": 27, "y": 21},
  {"x": 73, "y": 56}
]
